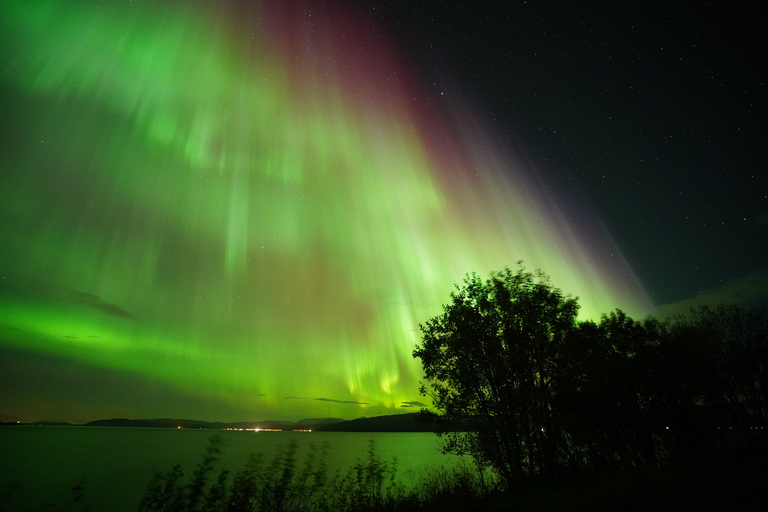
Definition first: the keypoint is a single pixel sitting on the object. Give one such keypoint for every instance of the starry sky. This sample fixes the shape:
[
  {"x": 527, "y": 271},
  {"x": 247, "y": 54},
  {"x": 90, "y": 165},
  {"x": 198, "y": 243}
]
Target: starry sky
[
  {"x": 656, "y": 112},
  {"x": 243, "y": 210}
]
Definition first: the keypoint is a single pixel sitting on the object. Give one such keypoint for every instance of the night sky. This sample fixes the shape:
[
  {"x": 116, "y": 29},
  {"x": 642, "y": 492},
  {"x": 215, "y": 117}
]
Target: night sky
[{"x": 228, "y": 210}]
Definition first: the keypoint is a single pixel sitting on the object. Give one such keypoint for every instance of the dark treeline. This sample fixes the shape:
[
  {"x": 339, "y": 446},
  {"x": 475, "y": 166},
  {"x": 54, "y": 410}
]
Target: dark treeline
[
  {"x": 642, "y": 393},
  {"x": 539, "y": 395}
]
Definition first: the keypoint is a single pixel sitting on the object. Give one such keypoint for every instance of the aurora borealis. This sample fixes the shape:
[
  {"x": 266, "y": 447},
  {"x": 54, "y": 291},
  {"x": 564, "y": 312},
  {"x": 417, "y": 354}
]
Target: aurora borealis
[{"x": 253, "y": 208}]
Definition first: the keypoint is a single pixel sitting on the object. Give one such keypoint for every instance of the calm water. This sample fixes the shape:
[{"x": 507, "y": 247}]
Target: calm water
[{"x": 39, "y": 465}]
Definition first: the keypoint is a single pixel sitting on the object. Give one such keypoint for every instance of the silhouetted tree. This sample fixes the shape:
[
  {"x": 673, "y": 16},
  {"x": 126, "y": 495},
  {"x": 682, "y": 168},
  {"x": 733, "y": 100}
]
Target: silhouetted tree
[
  {"x": 494, "y": 361},
  {"x": 738, "y": 340},
  {"x": 609, "y": 412},
  {"x": 645, "y": 390}
]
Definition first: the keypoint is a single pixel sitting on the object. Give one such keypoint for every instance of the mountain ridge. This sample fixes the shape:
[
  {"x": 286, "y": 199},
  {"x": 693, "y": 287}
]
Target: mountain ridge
[{"x": 409, "y": 422}]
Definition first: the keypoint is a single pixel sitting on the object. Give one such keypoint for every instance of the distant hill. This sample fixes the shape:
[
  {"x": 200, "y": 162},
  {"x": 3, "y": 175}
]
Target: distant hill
[
  {"x": 38, "y": 424},
  {"x": 163, "y": 423},
  {"x": 306, "y": 424},
  {"x": 412, "y": 422}
]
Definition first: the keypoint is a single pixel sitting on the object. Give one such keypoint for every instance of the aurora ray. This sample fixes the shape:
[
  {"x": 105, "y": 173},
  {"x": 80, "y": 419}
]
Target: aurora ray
[{"x": 258, "y": 203}]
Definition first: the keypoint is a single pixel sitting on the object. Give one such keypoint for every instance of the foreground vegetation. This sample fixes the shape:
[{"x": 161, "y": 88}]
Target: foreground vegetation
[{"x": 291, "y": 483}]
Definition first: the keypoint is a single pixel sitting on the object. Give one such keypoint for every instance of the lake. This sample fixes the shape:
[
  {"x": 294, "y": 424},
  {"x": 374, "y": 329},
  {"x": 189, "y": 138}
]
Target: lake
[{"x": 39, "y": 465}]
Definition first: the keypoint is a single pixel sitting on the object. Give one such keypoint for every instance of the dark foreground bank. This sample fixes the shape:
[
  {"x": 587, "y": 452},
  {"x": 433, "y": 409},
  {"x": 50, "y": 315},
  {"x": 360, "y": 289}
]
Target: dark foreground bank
[{"x": 733, "y": 482}]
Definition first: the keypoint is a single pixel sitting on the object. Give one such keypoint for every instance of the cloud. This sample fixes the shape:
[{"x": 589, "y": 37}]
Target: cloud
[
  {"x": 326, "y": 400},
  {"x": 747, "y": 291},
  {"x": 413, "y": 403},
  {"x": 64, "y": 295},
  {"x": 340, "y": 401},
  {"x": 95, "y": 302}
]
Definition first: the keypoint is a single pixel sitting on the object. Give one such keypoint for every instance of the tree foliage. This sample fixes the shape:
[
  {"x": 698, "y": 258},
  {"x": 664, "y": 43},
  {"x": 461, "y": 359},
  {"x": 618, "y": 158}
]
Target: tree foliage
[
  {"x": 525, "y": 388},
  {"x": 494, "y": 361}
]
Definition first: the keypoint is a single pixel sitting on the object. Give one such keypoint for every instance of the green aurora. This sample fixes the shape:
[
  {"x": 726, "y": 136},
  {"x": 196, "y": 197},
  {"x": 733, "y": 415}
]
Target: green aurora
[{"x": 254, "y": 206}]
